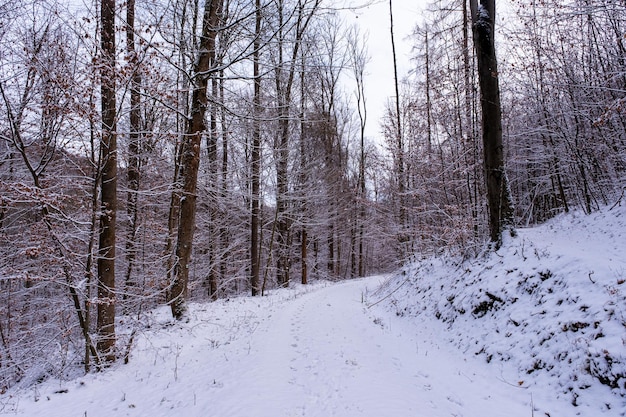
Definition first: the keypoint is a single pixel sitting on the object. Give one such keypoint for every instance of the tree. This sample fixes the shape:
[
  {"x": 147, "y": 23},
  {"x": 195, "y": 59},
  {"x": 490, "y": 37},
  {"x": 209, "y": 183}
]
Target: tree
[
  {"x": 108, "y": 186},
  {"x": 255, "y": 158},
  {"x": 134, "y": 145},
  {"x": 399, "y": 134},
  {"x": 566, "y": 98},
  {"x": 285, "y": 73},
  {"x": 203, "y": 68},
  {"x": 359, "y": 58},
  {"x": 38, "y": 231},
  {"x": 498, "y": 192}
]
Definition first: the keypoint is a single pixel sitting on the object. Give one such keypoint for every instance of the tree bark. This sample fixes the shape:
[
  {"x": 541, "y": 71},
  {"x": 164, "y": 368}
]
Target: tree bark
[
  {"x": 108, "y": 188},
  {"x": 498, "y": 193}
]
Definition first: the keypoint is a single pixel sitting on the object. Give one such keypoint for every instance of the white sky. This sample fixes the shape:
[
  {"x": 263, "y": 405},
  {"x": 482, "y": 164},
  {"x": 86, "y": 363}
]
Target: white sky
[{"x": 379, "y": 80}]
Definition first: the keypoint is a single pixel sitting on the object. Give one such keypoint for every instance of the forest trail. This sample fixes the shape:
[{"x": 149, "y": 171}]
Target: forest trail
[
  {"x": 310, "y": 351},
  {"x": 327, "y": 354}
]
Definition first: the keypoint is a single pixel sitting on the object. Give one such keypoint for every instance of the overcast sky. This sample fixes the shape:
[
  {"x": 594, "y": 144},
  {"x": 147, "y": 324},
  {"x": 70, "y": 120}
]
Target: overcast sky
[{"x": 379, "y": 81}]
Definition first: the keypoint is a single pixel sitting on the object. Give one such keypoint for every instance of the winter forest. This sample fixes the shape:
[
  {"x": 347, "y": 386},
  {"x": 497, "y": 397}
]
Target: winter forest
[{"x": 158, "y": 152}]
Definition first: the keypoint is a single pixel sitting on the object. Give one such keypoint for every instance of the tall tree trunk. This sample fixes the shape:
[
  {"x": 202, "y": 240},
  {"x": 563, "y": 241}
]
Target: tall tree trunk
[
  {"x": 224, "y": 241},
  {"x": 182, "y": 125},
  {"x": 191, "y": 159},
  {"x": 399, "y": 138},
  {"x": 360, "y": 58},
  {"x": 470, "y": 131},
  {"x": 213, "y": 249},
  {"x": 429, "y": 128},
  {"x": 282, "y": 156},
  {"x": 498, "y": 193},
  {"x": 108, "y": 187},
  {"x": 255, "y": 258},
  {"x": 304, "y": 267},
  {"x": 134, "y": 145}
]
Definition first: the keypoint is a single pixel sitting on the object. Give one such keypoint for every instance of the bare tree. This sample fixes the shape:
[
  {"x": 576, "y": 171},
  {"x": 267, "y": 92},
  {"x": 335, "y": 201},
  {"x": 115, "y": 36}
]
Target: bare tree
[
  {"x": 398, "y": 132},
  {"x": 134, "y": 145},
  {"x": 203, "y": 68},
  {"x": 498, "y": 192},
  {"x": 255, "y": 158},
  {"x": 108, "y": 186},
  {"x": 359, "y": 58},
  {"x": 285, "y": 75}
]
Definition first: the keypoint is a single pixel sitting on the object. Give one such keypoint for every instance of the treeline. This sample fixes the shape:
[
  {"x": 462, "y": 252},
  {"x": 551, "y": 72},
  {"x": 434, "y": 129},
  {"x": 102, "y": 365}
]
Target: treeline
[
  {"x": 221, "y": 147},
  {"x": 158, "y": 152},
  {"x": 562, "y": 83}
]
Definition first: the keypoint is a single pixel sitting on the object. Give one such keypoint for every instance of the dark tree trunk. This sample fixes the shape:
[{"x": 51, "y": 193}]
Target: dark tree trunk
[
  {"x": 303, "y": 180},
  {"x": 191, "y": 160},
  {"x": 303, "y": 253},
  {"x": 256, "y": 162},
  {"x": 224, "y": 241},
  {"x": 214, "y": 240},
  {"x": 108, "y": 209},
  {"x": 134, "y": 145},
  {"x": 400, "y": 140},
  {"x": 498, "y": 193}
]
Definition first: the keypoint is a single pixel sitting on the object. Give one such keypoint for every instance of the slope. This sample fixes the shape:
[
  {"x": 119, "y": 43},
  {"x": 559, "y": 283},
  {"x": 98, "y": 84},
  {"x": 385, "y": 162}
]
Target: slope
[{"x": 550, "y": 303}]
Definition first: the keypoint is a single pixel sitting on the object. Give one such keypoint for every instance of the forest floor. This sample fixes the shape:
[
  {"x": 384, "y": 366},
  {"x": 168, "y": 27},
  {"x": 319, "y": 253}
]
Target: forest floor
[{"x": 443, "y": 337}]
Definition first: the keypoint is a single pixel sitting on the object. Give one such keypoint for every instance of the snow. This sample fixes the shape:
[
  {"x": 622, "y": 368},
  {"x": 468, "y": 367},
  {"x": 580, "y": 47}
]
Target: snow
[
  {"x": 527, "y": 331},
  {"x": 550, "y": 303},
  {"x": 483, "y": 19}
]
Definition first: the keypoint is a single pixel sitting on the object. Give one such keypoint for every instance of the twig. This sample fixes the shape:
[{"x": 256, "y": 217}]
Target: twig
[
  {"x": 619, "y": 200},
  {"x": 590, "y": 274},
  {"x": 129, "y": 346},
  {"x": 513, "y": 385},
  {"x": 388, "y": 295}
]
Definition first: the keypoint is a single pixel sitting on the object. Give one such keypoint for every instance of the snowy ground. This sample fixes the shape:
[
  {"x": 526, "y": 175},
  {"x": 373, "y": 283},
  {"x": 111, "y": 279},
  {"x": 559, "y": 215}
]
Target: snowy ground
[
  {"x": 551, "y": 303},
  {"x": 442, "y": 338}
]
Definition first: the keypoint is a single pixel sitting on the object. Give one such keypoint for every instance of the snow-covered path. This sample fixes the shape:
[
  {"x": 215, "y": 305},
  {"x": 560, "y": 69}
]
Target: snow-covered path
[
  {"x": 319, "y": 352},
  {"x": 326, "y": 354}
]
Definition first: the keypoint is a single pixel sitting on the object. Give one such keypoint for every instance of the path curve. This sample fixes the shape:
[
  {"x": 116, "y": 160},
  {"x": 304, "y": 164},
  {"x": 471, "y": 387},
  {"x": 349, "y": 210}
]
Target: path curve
[{"x": 326, "y": 354}]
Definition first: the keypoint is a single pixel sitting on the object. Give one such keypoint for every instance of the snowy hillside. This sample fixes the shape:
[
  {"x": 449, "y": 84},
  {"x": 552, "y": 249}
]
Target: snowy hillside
[
  {"x": 551, "y": 302},
  {"x": 536, "y": 329}
]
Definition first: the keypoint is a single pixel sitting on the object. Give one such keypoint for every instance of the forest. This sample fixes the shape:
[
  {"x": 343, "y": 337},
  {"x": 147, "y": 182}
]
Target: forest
[{"x": 164, "y": 151}]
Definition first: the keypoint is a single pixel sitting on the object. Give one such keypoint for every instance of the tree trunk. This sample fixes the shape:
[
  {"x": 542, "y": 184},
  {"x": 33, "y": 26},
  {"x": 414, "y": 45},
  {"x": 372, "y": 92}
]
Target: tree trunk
[
  {"x": 134, "y": 145},
  {"x": 256, "y": 161},
  {"x": 224, "y": 241},
  {"x": 498, "y": 193},
  {"x": 214, "y": 249},
  {"x": 400, "y": 141},
  {"x": 304, "y": 268},
  {"x": 470, "y": 130},
  {"x": 191, "y": 160},
  {"x": 108, "y": 187}
]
